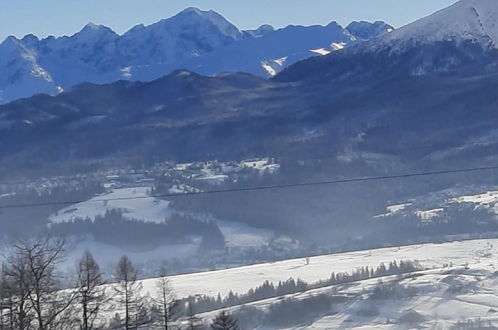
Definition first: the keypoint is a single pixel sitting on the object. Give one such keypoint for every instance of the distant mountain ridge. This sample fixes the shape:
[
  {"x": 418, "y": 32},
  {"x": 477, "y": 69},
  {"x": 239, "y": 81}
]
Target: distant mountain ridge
[
  {"x": 268, "y": 55},
  {"x": 201, "y": 41}
]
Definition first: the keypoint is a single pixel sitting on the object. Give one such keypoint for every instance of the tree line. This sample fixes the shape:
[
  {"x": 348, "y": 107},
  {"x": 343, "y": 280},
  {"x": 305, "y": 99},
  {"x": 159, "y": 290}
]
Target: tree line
[
  {"x": 269, "y": 290},
  {"x": 30, "y": 221},
  {"x": 36, "y": 294},
  {"x": 113, "y": 227}
]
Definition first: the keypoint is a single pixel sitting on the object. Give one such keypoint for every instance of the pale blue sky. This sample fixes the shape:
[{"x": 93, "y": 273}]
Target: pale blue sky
[{"x": 65, "y": 17}]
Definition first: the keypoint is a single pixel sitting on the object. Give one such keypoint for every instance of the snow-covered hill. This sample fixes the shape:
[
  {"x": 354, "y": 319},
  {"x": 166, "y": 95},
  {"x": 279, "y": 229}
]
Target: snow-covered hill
[
  {"x": 475, "y": 21},
  {"x": 241, "y": 279},
  {"x": 457, "y": 285},
  {"x": 136, "y": 204},
  {"x": 202, "y": 41},
  {"x": 461, "y": 38}
]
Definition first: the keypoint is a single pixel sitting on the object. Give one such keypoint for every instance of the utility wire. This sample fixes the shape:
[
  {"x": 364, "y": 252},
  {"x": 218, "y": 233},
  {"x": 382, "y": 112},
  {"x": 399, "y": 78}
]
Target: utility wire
[
  {"x": 323, "y": 158},
  {"x": 259, "y": 188}
]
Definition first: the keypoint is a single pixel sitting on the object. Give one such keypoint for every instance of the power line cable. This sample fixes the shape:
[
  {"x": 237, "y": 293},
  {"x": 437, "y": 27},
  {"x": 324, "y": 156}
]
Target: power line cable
[
  {"x": 260, "y": 188},
  {"x": 325, "y": 157}
]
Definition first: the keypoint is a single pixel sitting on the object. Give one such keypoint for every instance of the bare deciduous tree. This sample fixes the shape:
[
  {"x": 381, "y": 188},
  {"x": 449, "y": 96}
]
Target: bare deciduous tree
[
  {"x": 49, "y": 303},
  {"x": 90, "y": 290},
  {"x": 128, "y": 292},
  {"x": 164, "y": 300},
  {"x": 5, "y": 302},
  {"x": 17, "y": 289}
]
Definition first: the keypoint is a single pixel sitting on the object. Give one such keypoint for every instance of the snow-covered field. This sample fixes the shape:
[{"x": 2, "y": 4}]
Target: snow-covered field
[
  {"x": 133, "y": 201},
  {"x": 460, "y": 284},
  {"x": 136, "y": 203},
  {"x": 444, "y": 299},
  {"x": 241, "y": 279}
]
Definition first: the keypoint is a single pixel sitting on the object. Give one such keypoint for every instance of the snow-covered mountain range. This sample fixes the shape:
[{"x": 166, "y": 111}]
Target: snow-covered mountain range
[{"x": 201, "y": 41}]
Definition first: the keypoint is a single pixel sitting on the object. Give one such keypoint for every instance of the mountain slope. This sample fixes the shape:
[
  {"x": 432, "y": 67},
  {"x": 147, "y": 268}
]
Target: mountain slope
[
  {"x": 125, "y": 115},
  {"x": 238, "y": 115},
  {"x": 467, "y": 20},
  {"x": 459, "y": 39},
  {"x": 21, "y": 75}
]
